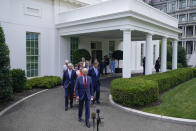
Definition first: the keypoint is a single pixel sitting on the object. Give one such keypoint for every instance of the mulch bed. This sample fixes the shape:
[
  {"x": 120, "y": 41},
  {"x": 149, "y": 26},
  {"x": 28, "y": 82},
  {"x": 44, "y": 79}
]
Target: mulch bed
[{"x": 18, "y": 96}]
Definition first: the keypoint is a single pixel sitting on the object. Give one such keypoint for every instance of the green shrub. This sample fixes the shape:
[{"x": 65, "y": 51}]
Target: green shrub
[
  {"x": 43, "y": 82},
  {"x": 169, "y": 65},
  {"x": 143, "y": 90},
  {"x": 194, "y": 72},
  {"x": 18, "y": 80},
  {"x": 6, "y": 92},
  {"x": 170, "y": 79},
  {"x": 134, "y": 92},
  {"x": 78, "y": 54}
]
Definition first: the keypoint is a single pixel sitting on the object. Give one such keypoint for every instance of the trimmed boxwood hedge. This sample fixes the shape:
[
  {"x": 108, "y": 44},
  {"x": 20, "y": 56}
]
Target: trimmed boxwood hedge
[
  {"x": 18, "y": 80},
  {"x": 43, "y": 82},
  {"x": 144, "y": 90},
  {"x": 134, "y": 91}
]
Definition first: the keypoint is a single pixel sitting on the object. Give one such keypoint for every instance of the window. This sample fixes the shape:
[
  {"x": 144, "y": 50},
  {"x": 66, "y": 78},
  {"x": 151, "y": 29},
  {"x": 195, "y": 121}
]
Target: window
[
  {"x": 142, "y": 54},
  {"x": 74, "y": 46},
  {"x": 32, "y": 54},
  {"x": 172, "y": 6},
  {"x": 182, "y": 4},
  {"x": 193, "y": 17},
  {"x": 193, "y": 3},
  {"x": 182, "y": 18},
  {"x": 111, "y": 47}
]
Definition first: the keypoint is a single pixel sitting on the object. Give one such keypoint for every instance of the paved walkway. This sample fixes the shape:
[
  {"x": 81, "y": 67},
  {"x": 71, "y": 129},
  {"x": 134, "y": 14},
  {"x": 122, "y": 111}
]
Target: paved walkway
[{"x": 45, "y": 112}]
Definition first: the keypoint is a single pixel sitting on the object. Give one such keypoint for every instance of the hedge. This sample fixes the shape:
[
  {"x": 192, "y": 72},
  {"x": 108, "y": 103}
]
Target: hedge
[
  {"x": 144, "y": 90},
  {"x": 18, "y": 80},
  {"x": 134, "y": 91},
  {"x": 43, "y": 82}
]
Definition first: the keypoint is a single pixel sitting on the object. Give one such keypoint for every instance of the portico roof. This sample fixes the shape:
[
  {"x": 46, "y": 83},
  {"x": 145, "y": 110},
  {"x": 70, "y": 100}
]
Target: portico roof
[{"x": 117, "y": 15}]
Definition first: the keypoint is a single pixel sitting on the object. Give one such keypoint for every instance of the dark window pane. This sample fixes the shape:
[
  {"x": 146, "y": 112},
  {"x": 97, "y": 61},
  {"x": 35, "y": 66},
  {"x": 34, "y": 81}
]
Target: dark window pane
[
  {"x": 32, "y": 66},
  {"x": 28, "y": 59},
  {"x": 28, "y": 74},
  {"x": 28, "y": 44},
  {"x": 36, "y": 44},
  {"x": 27, "y": 51},
  {"x": 36, "y": 58},
  {"x": 32, "y": 73},
  {"x": 36, "y": 36},
  {"x": 32, "y": 36},
  {"x": 32, "y": 51},
  {"x": 28, "y": 66},
  {"x": 32, "y": 44},
  {"x": 36, "y": 66},
  {"x": 28, "y": 36},
  {"x": 36, "y": 51},
  {"x": 32, "y": 59},
  {"x": 36, "y": 72}
]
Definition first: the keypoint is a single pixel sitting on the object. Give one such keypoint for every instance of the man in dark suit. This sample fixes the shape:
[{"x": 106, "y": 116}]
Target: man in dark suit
[
  {"x": 94, "y": 73},
  {"x": 69, "y": 77},
  {"x": 84, "y": 93}
]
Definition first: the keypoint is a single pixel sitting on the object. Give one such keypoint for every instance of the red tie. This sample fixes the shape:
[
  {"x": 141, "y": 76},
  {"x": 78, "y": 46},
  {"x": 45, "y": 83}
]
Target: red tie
[{"x": 85, "y": 84}]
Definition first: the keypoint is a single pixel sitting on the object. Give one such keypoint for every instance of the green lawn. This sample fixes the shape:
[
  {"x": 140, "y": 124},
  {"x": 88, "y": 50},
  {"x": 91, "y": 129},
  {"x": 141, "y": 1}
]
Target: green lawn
[{"x": 178, "y": 102}]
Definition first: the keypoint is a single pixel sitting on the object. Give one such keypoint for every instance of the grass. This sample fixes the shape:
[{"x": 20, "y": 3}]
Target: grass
[{"x": 178, "y": 102}]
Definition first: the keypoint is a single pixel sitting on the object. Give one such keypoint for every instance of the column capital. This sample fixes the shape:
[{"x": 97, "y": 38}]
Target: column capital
[{"x": 164, "y": 37}]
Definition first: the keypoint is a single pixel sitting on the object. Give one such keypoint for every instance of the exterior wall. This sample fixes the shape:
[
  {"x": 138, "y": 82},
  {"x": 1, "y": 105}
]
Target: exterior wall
[
  {"x": 188, "y": 24},
  {"x": 20, "y": 16}
]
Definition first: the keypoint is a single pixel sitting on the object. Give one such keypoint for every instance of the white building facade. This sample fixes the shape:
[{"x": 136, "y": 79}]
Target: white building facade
[{"x": 42, "y": 34}]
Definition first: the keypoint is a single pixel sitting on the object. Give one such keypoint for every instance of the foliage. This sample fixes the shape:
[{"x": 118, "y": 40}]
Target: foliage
[
  {"x": 43, "y": 82},
  {"x": 6, "y": 92},
  {"x": 181, "y": 54},
  {"x": 134, "y": 91},
  {"x": 169, "y": 65},
  {"x": 18, "y": 80},
  {"x": 78, "y": 54},
  {"x": 118, "y": 55},
  {"x": 143, "y": 90}
]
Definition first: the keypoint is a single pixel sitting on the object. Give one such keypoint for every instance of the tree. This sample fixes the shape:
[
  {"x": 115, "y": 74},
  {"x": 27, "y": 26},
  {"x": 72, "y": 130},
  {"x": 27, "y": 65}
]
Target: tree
[
  {"x": 6, "y": 92},
  {"x": 118, "y": 55},
  {"x": 78, "y": 54},
  {"x": 181, "y": 54}
]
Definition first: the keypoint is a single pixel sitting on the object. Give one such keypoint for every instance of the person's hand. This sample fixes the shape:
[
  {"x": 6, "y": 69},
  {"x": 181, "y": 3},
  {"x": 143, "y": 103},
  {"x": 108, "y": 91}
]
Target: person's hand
[
  {"x": 92, "y": 98},
  {"x": 62, "y": 86},
  {"x": 77, "y": 98}
]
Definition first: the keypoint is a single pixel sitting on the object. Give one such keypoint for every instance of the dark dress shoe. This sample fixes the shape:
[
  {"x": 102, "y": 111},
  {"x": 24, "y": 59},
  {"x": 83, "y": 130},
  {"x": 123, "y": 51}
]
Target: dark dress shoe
[
  {"x": 71, "y": 106},
  {"x": 80, "y": 119},
  {"x": 66, "y": 108},
  {"x": 88, "y": 125}
]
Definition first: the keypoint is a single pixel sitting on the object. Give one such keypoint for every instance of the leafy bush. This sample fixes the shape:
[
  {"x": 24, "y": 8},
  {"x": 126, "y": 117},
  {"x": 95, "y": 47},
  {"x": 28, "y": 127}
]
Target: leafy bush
[
  {"x": 169, "y": 65},
  {"x": 134, "y": 92},
  {"x": 143, "y": 90},
  {"x": 43, "y": 82},
  {"x": 6, "y": 92},
  {"x": 18, "y": 80},
  {"x": 194, "y": 72},
  {"x": 78, "y": 54}
]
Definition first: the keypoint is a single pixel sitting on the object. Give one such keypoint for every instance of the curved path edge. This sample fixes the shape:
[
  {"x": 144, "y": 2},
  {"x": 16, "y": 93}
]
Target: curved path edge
[
  {"x": 19, "y": 101},
  {"x": 154, "y": 116}
]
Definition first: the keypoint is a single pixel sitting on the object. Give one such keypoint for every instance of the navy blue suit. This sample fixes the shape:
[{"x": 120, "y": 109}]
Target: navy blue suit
[
  {"x": 68, "y": 83},
  {"x": 84, "y": 94},
  {"x": 95, "y": 81}
]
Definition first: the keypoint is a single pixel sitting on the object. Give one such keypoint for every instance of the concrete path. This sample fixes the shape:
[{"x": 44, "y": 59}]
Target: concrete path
[{"x": 45, "y": 112}]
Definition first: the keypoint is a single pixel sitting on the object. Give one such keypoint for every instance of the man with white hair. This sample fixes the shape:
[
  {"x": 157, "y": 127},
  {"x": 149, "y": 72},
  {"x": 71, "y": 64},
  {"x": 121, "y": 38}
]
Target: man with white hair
[
  {"x": 84, "y": 93},
  {"x": 69, "y": 77},
  {"x": 65, "y": 65}
]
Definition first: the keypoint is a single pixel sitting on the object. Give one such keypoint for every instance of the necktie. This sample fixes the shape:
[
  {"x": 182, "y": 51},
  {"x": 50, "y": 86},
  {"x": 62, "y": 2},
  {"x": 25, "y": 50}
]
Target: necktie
[{"x": 85, "y": 83}]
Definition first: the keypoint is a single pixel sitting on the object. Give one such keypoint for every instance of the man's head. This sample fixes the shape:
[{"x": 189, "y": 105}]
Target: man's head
[
  {"x": 70, "y": 66},
  {"x": 95, "y": 64},
  {"x": 83, "y": 59},
  {"x": 66, "y": 62},
  {"x": 85, "y": 71}
]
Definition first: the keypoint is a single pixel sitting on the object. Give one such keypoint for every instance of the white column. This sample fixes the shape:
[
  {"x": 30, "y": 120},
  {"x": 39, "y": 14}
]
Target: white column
[
  {"x": 149, "y": 55},
  {"x": 127, "y": 53},
  {"x": 175, "y": 55},
  {"x": 164, "y": 54}
]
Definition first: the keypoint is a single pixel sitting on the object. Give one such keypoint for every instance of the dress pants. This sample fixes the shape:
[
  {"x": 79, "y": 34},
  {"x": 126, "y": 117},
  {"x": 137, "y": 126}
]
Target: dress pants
[
  {"x": 69, "y": 91},
  {"x": 97, "y": 90},
  {"x": 87, "y": 108}
]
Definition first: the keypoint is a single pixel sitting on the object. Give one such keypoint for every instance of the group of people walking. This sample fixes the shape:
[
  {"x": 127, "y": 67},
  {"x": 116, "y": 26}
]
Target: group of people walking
[{"x": 83, "y": 81}]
